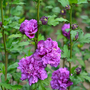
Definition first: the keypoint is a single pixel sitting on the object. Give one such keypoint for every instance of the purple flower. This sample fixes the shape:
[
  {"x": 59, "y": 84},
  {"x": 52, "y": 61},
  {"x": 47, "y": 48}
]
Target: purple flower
[
  {"x": 23, "y": 25},
  {"x": 0, "y": 24},
  {"x": 48, "y": 52},
  {"x": 60, "y": 79},
  {"x": 63, "y": 12},
  {"x": 44, "y": 20},
  {"x": 32, "y": 70},
  {"x": 74, "y": 26},
  {"x": 67, "y": 7},
  {"x": 65, "y": 33},
  {"x": 29, "y": 27},
  {"x": 78, "y": 70}
]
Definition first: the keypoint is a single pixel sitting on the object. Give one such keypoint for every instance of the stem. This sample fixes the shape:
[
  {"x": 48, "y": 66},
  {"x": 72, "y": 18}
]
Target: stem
[
  {"x": 4, "y": 41},
  {"x": 70, "y": 40},
  {"x": 38, "y": 5}
]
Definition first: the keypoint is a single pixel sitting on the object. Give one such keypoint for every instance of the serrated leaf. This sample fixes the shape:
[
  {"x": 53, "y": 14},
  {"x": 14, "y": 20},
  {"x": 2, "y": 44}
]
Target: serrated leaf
[
  {"x": 81, "y": 62},
  {"x": 12, "y": 66},
  {"x": 82, "y": 1},
  {"x": 73, "y": 34},
  {"x": 61, "y": 19},
  {"x": 15, "y": 35},
  {"x": 66, "y": 52},
  {"x": 23, "y": 43}
]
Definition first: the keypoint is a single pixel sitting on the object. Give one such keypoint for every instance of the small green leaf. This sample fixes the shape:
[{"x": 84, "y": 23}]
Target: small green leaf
[
  {"x": 61, "y": 19},
  {"x": 82, "y": 1},
  {"x": 73, "y": 34},
  {"x": 15, "y": 35},
  {"x": 81, "y": 62},
  {"x": 73, "y": 1},
  {"x": 56, "y": 10},
  {"x": 64, "y": 2},
  {"x": 13, "y": 66}
]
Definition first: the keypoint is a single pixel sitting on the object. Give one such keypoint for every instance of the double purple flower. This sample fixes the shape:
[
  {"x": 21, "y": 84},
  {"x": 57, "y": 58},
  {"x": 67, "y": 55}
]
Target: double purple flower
[
  {"x": 33, "y": 67},
  {"x": 29, "y": 28},
  {"x": 48, "y": 52},
  {"x": 60, "y": 79}
]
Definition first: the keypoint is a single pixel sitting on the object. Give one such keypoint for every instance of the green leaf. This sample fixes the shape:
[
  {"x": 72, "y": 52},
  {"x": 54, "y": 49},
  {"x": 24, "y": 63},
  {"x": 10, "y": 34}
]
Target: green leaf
[
  {"x": 82, "y": 1},
  {"x": 76, "y": 88},
  {"x": 73, "y": 1},
  {"x": 55, "y": 21},
  {"x": 9, "y": 86},
  {"x": 41, "y": 37},
  {"x": 73, "y": 68},
  {"x": 56, "y": 10},
  {"x": 15, "y": 35},
  {"x": 84, "y": 38},
  {"x": 23, "y": 43},
  {"x": 15, "y": 87},
  {"x": 52, "y": 20},
  {"x": 61, "y": 19},
  {"x": 73, "y": 34},
  {"x": 64, "y": 2},
  {"x": 81, "y": 62},
  {"x": 12, "y": 66},
  {"x": 0, "y": 34},
  {"x": 66, "y": 52},
  {"x": 2, "y": 68},
  {"x": 16, "y": 76}
]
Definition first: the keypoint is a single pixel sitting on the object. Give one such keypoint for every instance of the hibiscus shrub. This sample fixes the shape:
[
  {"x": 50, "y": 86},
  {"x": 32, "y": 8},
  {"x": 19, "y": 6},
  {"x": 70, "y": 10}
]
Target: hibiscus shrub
[{"x": 45, "y": 64}]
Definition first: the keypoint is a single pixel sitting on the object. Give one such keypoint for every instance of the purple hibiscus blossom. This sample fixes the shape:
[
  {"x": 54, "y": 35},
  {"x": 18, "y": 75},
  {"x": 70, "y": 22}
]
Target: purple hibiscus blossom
[
  {"x": 65, "y": 33},
  {"x": 48, "y": 52},
  {"x": 60, "y": 79},
  {"x": 32, "y": 70},
  {"x": 29, "y": 27}
]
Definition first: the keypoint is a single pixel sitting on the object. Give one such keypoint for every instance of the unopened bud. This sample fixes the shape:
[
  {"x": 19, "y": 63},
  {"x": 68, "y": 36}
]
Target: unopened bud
[
  {"x": 63, "y": 12},
  {"x": 74, "y": 26},
  {"x": 78, "y": 70},
  {"x": 44, "y": 20},
  {"x": 67, "y": 7}
]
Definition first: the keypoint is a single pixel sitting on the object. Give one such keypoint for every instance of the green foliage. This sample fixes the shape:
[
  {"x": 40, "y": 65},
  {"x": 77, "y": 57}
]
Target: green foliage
[
  {"x": 55, "y": 21},
  {"x": 66, "y": 52},
  {"x": 2, "y": 68},
  {"x": 9, "y": 86},
  {"x": 13, "y": 66},
  {"x": 84, "y": 38},
  {"x": 64, "y": 2}
]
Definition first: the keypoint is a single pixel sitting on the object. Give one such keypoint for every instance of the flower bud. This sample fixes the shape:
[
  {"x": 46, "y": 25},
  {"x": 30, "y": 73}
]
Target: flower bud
[
  {"x": 44, "y": 20},
  {"x": 63, "y": 12},
  {"x": 74, "y": 26},
  {"x": 76, "y": 37},
  {"x": 0, "y": 24},
  {"x": 78, "y": 70},
  {"x": 67, "y": 7}
]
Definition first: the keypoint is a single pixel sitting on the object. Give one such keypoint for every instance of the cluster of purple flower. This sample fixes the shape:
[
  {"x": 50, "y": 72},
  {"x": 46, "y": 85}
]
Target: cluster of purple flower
[
  {"x": 33, "y": 67},
  {"x": 29, "y": 28},
  {"x": 60, "y": 79},
  {"x": 67, "y": 34}
]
